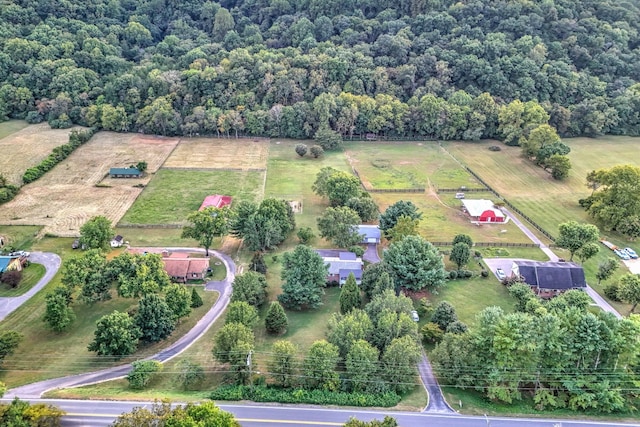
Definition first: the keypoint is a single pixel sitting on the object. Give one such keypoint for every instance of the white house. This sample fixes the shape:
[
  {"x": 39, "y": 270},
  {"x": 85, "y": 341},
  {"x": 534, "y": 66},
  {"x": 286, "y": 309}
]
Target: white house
[{"x": 117, "y": 241}]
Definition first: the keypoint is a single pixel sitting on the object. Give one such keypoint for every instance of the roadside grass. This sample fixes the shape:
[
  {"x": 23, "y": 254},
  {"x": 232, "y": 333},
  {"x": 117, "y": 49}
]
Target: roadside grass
[
  {"x": 18, "y": 237},
  {"x": 11, "y": 126},
  {"x": 406, "y": 165},
  {"x": 170, "y": 237},
  {"x": 471, "y": 402},
  {"x": 44, "y": 354},
  {"x": 173, "y": 194},
  {"x": 442, "y": 219},
  {"x": 30, "y": 276},
  {"x": 531, "y": 189}
]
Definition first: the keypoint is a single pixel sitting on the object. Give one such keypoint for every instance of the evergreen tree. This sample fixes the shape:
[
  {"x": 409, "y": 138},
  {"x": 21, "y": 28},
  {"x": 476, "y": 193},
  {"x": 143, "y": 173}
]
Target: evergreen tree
[
  {"x": 276, "y": 321},
  {"x": 196, "y": 299},
  {"x": 350, "y": 295}
]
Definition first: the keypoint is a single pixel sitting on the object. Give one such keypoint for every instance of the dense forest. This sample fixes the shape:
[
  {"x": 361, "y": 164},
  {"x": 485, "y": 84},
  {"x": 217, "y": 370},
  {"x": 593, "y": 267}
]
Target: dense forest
[{"x": 408, "y": 68}]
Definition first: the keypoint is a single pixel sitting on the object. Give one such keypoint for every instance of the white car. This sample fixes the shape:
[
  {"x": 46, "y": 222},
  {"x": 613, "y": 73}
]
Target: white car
[
  {"x": 414, "y": 316},
  {"x": 500, "y": 274},
  {"x": 631, "y": 253},
  {"x": 622, "y": 254}
]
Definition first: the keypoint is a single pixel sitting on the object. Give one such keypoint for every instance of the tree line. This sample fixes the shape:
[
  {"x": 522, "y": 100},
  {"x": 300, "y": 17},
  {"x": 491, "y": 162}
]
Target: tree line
[{"x": 430, "y": 69}]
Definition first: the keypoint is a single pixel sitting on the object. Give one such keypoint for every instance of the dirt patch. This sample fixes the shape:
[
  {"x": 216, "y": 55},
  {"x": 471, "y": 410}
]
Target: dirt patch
[
  {"x": 633, "y": 265},
  {"x": 67, "y": 196},
  {"x": 214, "y": 153},
  {"x": 28, "y": 147}
]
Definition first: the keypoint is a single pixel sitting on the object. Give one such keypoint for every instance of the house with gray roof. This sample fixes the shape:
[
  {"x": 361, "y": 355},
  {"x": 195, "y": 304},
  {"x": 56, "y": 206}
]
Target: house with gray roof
[
  {"x": 369, "y": 233},
  {"x": 125, "y": 173},
  {"x": 342, "y": 265},
  {"x": 548, "y": 279}
]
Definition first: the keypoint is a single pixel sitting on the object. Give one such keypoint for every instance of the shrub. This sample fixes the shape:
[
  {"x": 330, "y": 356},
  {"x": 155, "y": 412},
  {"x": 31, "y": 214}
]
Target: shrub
[
  {"x": 317, "y": 151},
  {"x": 305, "y": 235},
  {"x": 494, "y": 148},
  {"x": 465, "y": 274},
  {"x": 11, "y": 278},
  {"x": 142, "y": 372},
  {"x": 484, "y": 273},
  {"x": 316, "y": 397},
  {"x": 190, "y": 374},
  {"x": 431, "y": 333},
  {"x": 358, "y": 250},
  {"x": 453, "y": 275},
  {"x": 611, "y": 292},
  {"x": 477, "y": 254},
  {"x": 301, "y": 149},
  {"x": 425, "y": 308}
]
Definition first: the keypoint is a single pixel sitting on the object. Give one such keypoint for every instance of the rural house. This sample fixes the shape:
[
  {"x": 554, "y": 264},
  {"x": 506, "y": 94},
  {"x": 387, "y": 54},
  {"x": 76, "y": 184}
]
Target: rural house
[
  {"x": 125, "y": 173},
  {"x": 341, "y": 264},
  {"x": 9, "y": 263},
  {"x": 482, "y": 211},
  {"x": 181, "y": 268},
  {"x": 548, "y": 279},
  {"x": 369, "y": 233},
  {"x": 117, "y": 241},
  {"x": 216, "y": 201}
]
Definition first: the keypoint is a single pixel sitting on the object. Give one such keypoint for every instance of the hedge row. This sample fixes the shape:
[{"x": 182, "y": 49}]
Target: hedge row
[
  {"x": 298, "y": 395},
  {"x": 76, "y": 139},
  {"x": 7, "y": 192}
]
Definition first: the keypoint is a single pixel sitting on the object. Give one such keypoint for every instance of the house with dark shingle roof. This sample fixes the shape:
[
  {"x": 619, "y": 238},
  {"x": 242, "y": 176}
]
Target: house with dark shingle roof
[
  {"x": 342, "y": 265},
  {"x": 548, "y": 279},
  {"x": 125, "y": 173},
  {"x": 369, "y": 233}
]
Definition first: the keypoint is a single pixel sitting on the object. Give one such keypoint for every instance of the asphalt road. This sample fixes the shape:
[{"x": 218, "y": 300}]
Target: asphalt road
[
  {"x": 35, "y": 390},
  {"x": 51, "y": 263},
  {"x": 102, "y": 413}
]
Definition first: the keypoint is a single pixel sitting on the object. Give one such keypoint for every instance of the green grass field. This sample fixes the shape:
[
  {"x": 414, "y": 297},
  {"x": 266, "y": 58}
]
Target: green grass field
[
  {"x": 18, "y": 237},
  {"x": 11, "y": 126},
  {"x": 173, "y": 194},
  {"x": 406, "y": 165},
  {"x": 30, "y": 276}
]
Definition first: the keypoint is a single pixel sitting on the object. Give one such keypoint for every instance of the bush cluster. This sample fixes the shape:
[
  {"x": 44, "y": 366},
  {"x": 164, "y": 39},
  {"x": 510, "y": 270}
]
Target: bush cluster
[
  {"x": 460, "y": 274},
  {"x": 76, "y": 139},
  {"x": 318, "y": 397}
]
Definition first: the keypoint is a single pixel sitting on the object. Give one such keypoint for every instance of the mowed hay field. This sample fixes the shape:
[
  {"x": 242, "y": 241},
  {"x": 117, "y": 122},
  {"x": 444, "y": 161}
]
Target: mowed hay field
[
  {"x": 24, "y": 147},
  {"x": 67, "y": 196},
  {"x": 406, "y": 165},
  {"x": 173, "y": 194},
  {"x": 212, "y": 153},
  {"x": 531, "y": 189}
]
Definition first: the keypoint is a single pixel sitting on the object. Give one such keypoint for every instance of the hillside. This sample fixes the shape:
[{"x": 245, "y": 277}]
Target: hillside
[{"x": 286, "y": 68}]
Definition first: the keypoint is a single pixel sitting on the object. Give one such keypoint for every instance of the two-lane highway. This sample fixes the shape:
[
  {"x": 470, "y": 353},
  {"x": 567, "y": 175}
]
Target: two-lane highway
[{"x": 102, "y": 413}]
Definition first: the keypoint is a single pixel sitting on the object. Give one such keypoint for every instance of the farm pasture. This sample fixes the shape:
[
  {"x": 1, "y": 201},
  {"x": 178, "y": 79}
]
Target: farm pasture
[
  {"x": 406, "y": 165},
  {"x": 26, "y": 147},
  {"x": 531, "y": 189},
  {"x": 76, "y": 189},
  {"x": 174, "y": 194},
  {"x": 219, "y": 153}
]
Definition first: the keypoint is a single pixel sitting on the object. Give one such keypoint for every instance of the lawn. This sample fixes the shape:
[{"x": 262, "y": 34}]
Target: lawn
[
  {"x": 407, "y": 165},
  {"x": 30, "y": 276},
  {"x": 173, "y": 194},
  {"x": 18, "y": 237},
  {"x": 11, "y": 126},
  {"x": 290, "y": 177},
  {"x": 442, "y": 219},
  {"x": 531, "y": 189},
  {"x": 219, "y": 153}
]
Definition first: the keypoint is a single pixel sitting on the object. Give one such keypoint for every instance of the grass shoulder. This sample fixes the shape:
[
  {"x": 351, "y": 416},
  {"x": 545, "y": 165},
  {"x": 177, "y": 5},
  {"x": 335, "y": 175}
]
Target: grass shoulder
[{"x": 30, "y": 276}]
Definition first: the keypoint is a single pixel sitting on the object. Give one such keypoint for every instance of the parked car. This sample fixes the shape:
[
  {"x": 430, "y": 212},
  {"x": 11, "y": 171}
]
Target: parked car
[
  {"x": 500, "y": 274},
  {"x": 414, "y": 316},
  {"x": 622, "y": 254},
  {"x": 631, "y": 253}
]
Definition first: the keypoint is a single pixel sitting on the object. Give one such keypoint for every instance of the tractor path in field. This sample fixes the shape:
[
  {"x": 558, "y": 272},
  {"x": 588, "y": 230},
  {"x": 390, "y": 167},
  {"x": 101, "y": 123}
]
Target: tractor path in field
[
  {"x": 51, "y": 263},
  {"x": 35, "y": 390}
]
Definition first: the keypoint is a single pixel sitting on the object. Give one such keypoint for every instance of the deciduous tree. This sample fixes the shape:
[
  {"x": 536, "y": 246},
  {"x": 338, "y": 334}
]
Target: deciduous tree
[
  {"x": 304, "y": 274},
  {"x": 399, "y": 364},
  {"x": 178, "y": 299},
  {"x": 415, "y": 264},
  {"x": 142, "y": 372},
  {"x": 116, "y": 335},
  {"x": 58, "y": 314},
  {"x": 339, "y": 225},
  {"x": 573, "y": 236},
  {"x": 392, "y": 214},
  {"x": 154, "y": 318},
  {"x": 606, "y": 269},
  {"x": 250, "y": 287},
  {"x": 9, "y": 341},
  {"x": 460, "y": 254},
  {"x": 361, "y": 367},
  {"x": 96, "y": 233},
  {"x": 283, "y": 364},
  {"x": 629, "y": 290},
  {"x": 190, "y": 374},
  {"x": 320, "y": 367},
  {"x": 243, "y": 313},
  {"x": 206, "y": 225}
]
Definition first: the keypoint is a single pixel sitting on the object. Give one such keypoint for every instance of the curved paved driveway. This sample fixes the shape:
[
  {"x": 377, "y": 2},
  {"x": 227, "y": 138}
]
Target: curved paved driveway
[
  {"x": 51, "y": 263},
  {"x": 35, "y": 390}
]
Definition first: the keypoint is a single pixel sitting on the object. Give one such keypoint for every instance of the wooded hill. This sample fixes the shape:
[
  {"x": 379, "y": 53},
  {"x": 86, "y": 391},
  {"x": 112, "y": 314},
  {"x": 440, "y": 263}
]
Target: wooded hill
[{"x": 287, "y": 68}]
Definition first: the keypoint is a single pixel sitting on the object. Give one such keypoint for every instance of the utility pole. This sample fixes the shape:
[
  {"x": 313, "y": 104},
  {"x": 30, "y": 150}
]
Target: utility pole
[
  {"x": 249, "y": 364},
  {"x": 488, "y": 422}
]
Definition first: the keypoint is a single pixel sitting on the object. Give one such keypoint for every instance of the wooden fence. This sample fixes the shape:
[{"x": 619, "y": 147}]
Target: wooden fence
[{"x": 493, "y": 244}]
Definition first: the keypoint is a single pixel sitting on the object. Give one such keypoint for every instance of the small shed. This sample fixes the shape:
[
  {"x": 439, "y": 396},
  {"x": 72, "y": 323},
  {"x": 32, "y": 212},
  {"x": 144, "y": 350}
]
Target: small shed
[
  {"x": 482, "y": 211},
  {"x": 215, "y": 201},
  {"x": 117, "y": 241},
  {"x": 125, "y": 173}
]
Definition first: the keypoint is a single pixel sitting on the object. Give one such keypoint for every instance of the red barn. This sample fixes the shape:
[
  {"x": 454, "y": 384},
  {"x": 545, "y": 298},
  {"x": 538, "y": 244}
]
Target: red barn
[
  {"x": 216, "y": 201},
  {"x": 482, "y": 211}
]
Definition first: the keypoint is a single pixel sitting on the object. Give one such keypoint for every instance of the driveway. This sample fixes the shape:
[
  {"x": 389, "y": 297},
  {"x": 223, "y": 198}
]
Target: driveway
[
  {"x": 371, "y": 254},
  {"x": 35, "y": 390},
  {"x": 51, "y": 263}
]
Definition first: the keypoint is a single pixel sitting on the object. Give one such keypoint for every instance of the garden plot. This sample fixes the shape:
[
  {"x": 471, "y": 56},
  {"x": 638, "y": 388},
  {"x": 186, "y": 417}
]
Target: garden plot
[{"x": 76, "y": 189}]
